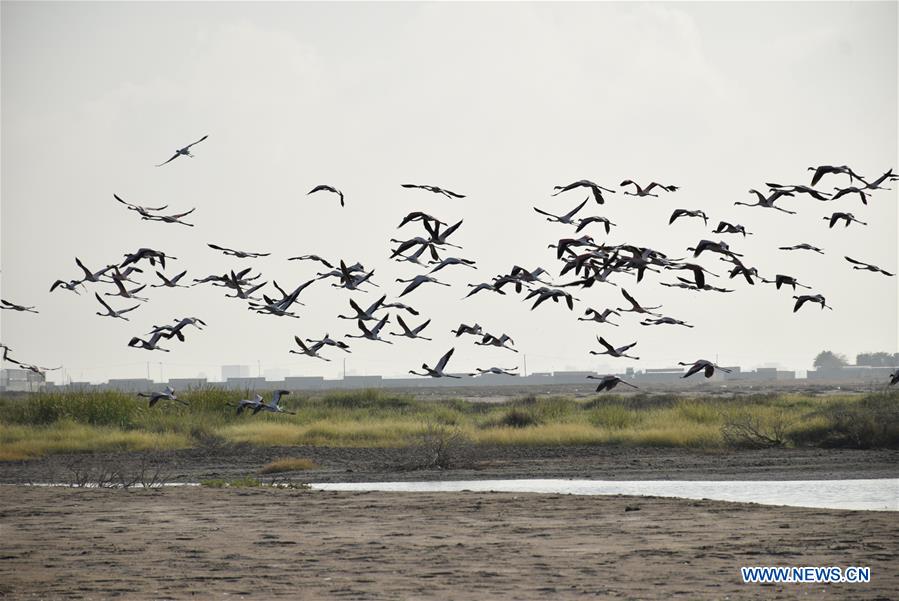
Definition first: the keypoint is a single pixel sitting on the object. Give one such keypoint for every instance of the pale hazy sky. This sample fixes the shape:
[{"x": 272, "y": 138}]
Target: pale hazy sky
[{"x": 497, "y": 101}]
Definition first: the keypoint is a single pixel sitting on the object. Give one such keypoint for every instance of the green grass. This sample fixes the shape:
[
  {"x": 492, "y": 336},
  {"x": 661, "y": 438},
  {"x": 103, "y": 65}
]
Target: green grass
[
  {"x": 72, "y": 422},
  {"x": 245, "y": 482}
]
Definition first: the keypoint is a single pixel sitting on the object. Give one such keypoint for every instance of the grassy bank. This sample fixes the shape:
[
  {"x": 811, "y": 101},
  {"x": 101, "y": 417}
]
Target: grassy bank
[{"x": 103, "y": 421}]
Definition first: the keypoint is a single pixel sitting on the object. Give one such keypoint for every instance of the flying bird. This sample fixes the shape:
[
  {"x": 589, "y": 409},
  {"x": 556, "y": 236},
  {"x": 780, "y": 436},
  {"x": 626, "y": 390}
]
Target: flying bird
[
  {"x": 596, "y": 189},
  {"x": 688, "y": 213},
  {"x": 176, "y": 331},
  {"x": 785, "y": 280},
  {"x": 438, "y": 370},
  {"x": 90, "y": 276},
  {"x": 801, "y": 190},
  {"x": 476, "y": 330},
  {"x": 138, "y": 208},
  {"x": 183, "y": 151},
  {"x": 170, "y": 283},
  {"x": 491, "y": 340},
  {"x": 567, "y": 218},
  {"x": 327, "y": 189},
  {"x": 646, "y": 191},
  {"x": 312, "y": 258},
  {"x": 328, "y": 341},
  {"x": 367, "y": 314},
  {"x": 416, "y": 282},
  {"x": 419, "y": 216},
  {"x": 802, "y": 246},
  {"x": 176, "y": 218},
  {"x": 145, "y": 253},
  {"x": 5, "y": 304},
  {"x": 125, "y": 293},
  {"x": 840, "y": 192},
  {"x": 373, "y": 333},
  {"x": 309, "y": 351},
  {"x": 273, "y": 406},
  {"x": 434, "y": 189},
  {"x": 823, "y": 170},
  {"x": 707, "y": 367},
  {"x": 600, "y": 317},
  {"x": 610, "y": 382},
  {"x": 410, "y": 333},
  {"x": 70, "y": 285},
  {"x": 664, "y": 320},
  {"x": 635, "y": 306},
  {"x": 168, "y": 395},
  {"x": 483, "y": 286},
  {"x": 816, "y": 298},
  {"x": 452, "y": 261},
  {"x": 612, "y": 351},
  {"x": 150, "y": 345},
  {"x": 110, "y": 312},
  {"x": 247, "y": 404},
  {"x": 846, "y": 217},
  {"x": 888, "y": 176},
  {"x": 582, "y": 223},
  {"x": 237, "y": 253},
  {"x": 768, "y": 202},
  {"x": 867, "y": 266},
  {"x": 499, "y": 371},
  {"x": 729, "y": 228}
]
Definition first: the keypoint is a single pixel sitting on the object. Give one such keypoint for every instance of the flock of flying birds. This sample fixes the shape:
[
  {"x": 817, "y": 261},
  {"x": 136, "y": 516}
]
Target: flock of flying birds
[{"x": 587, "y": 261}]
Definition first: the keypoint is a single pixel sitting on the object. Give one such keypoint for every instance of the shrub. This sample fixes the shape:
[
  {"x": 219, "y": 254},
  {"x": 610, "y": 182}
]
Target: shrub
[
  {"x": 517, "y": 418},
  {"x": 441, "y": 447},
  {"x": 756, "y": 429}
]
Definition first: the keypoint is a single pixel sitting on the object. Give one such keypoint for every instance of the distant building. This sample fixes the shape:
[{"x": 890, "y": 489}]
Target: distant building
[
  {"x": 273, "y": 375},
  {"x": 861, "y": 373},
  {"x": 304, "y": 383},
  {"x": 131, "y": 385},
  {"x": 235, "y": 371},
  {"x": 182, "y": 384},
  {"x": 21, "y": 380},
  {"x": 665, "y": 374},
  {"x": 247, "y": 383},
  {"x": 360, "y": 382}
]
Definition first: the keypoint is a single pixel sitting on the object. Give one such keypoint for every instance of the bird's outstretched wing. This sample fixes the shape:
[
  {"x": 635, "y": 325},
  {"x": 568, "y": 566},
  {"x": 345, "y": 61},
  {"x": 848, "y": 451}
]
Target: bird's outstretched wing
[
  {"x": 198, "y": 141},
  {"x": 445, "y": 359},
  {"x": 170, "y": 160},
  {"x": 605, "y": 344},
  {"x": 102, "y": 302}
]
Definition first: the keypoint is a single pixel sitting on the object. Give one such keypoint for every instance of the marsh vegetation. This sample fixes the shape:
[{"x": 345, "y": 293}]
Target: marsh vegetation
[{"x": 71, "y": 422}]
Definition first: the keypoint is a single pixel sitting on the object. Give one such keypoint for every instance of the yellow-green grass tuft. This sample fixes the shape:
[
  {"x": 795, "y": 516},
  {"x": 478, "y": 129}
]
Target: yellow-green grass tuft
[
  {"x": 24, "y": 442},
  {"x": 288, "y": 464}
]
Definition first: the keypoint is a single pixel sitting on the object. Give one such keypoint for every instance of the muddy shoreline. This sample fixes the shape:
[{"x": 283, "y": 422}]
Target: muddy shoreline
[
  {"x": 180, "y": 543},
  {"x": 402, "y": 464}
]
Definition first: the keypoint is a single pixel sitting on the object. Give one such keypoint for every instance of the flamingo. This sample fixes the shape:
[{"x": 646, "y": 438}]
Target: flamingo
[
  {"x": 438, "y": 370},
  {"x": 183, "y": 151},
  {"x": 610, "y": 382},
  {"x": 707, "y": 367}
]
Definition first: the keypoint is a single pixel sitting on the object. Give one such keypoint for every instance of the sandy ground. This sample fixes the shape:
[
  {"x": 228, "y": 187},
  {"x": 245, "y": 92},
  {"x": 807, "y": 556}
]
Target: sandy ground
[
  {"x": 261, "y": 543},
  {"x": 590, "y": 462}
]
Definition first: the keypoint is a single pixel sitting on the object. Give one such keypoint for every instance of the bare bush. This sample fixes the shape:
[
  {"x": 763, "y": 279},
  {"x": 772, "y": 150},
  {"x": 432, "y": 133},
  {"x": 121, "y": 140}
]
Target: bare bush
[
  {"x": 754, "y": 431},
  {"x": 440, "y": 447},
  {"x": 145, "y": 471}
]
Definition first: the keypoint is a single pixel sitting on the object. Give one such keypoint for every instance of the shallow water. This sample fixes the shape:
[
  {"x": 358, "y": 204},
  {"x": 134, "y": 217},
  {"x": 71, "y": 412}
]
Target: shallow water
[{"x": 875, "y": 494}]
